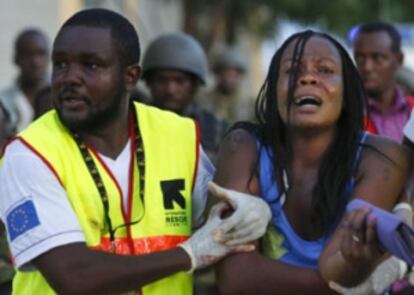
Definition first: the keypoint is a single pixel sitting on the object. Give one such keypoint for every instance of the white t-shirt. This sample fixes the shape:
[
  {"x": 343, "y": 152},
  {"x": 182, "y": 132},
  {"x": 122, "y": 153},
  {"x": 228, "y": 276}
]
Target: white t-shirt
[
  {"x": 37, "y": 213},
  {"x": 409, "y": 128}
]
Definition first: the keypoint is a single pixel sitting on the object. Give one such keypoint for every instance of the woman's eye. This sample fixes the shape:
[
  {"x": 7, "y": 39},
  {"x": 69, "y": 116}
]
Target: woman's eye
[
  {"x": 92, "y": 66},
  {"x": 59, "y": 64},
  {"x": 325, "y": 70},
  {"x": 292, "y": 70}
]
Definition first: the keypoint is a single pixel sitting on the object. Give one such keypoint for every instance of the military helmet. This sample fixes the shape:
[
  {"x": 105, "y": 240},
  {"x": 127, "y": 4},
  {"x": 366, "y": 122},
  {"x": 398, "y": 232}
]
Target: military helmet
[
  {"x": 177, "y": 51},
  {"x": 229, "y": 57}
]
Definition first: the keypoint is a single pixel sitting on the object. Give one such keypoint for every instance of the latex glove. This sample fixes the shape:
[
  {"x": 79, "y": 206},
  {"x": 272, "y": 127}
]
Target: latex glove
[
  {"x": 384, "y": 275},
  {"x": 249, "y": 220},
  {"x": 204, "y": 248}
]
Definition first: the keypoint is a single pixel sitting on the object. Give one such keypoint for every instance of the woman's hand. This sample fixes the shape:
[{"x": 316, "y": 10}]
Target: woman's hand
[
  {"x": 358, "y": 252},
  {"x": 359, "y": 244}
]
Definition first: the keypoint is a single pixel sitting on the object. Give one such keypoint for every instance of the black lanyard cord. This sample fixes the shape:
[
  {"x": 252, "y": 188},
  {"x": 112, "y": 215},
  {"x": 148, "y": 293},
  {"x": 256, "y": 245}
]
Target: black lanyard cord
[{"x": 90, "y": 164}]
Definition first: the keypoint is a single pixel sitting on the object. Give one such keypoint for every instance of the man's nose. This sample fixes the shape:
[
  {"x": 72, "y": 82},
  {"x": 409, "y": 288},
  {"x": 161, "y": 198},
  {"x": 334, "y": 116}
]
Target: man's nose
[
  {"x": 367, "y": 65},
  {"x": 71, "y": 75},
  {"x": 171, "y": 87}
]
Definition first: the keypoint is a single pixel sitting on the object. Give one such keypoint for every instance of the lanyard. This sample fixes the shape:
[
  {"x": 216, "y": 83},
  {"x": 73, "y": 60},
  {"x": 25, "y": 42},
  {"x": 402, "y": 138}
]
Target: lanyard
[{"x": 93, "y": 171}]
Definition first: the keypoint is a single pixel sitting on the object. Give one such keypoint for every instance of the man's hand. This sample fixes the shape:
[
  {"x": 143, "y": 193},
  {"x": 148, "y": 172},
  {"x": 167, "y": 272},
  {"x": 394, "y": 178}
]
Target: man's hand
[
  {"x": 204, "y": 248},
  {"x": 249, "y": 219}
]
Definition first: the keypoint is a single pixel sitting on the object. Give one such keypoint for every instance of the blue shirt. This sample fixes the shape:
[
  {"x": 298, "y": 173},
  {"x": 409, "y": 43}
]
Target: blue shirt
[{"x": 281, "y": 241}]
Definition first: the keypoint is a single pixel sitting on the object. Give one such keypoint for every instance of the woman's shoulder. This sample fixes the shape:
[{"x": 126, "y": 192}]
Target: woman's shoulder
[
  {"x": 242, "y": 135},
  {"x": 237, "y": 160},
  {"x": 383, "y": 151},
  {"x": 387, "y": 147}
]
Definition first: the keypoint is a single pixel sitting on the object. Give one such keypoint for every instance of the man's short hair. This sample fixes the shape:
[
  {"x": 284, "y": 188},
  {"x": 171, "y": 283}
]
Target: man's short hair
[
  {"x": 18, "y": 42},
  {"x": 122, "y": 31},
  {"x": 383, "y": 27}
]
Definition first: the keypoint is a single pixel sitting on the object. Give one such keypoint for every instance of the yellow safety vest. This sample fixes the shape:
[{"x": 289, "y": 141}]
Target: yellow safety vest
[{"x": 171, "y": 156}]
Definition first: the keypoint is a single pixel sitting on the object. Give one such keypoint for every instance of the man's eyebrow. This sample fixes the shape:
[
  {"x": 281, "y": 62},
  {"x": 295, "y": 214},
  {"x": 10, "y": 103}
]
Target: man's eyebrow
[{"x": 84, "y": 55}]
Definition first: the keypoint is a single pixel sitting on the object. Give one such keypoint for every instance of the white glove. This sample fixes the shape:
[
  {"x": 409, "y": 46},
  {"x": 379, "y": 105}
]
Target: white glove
[
  {"x": 203, "y": 247},
  {"x": 249, "y": 220},
  {"x": 384, "y": 275}
]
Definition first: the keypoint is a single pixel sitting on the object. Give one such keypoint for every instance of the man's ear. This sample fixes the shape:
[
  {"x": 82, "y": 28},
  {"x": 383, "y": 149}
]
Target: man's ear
[{"x": 132, "y": 73}]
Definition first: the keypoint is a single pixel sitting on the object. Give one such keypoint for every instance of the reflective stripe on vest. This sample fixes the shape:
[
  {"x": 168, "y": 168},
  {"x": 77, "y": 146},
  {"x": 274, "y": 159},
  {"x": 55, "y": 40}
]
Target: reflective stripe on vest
[{"x": 142, "y": 245}]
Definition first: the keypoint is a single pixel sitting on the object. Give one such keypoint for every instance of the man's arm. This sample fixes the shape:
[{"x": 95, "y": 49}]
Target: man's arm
[
  {"x": 253, "y": 273},
  {"x": 58, "y": 250},
  {"x": 75, "y": 269},
  {"x": 199, "y": 198}
]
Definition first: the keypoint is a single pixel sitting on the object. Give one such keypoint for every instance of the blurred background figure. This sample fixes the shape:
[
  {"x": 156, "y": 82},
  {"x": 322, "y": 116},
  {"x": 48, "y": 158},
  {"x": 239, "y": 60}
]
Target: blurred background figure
[
  {"x": 405, "y": 80},
  {"x": 225, "y": 98},
  {"x": 6, "y": 128},
  {"x": 378, "y": 55},
  {"x": 31, "y": 55},
  {"x": 6, "y": 267},
  {"x": 43, "y": 101},
  {"x": 140, "y": 94},
  {"x": 174, "y": 67}
]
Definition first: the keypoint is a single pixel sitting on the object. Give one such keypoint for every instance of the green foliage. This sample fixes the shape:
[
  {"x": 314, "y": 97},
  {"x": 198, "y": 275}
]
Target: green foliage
[
  {"x": 259, "y": 17},
  {"x": 340, "y": 16}
]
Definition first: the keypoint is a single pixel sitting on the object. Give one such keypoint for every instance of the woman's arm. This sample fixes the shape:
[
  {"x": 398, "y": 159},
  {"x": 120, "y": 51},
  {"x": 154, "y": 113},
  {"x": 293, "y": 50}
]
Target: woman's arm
[
  {"x": 353, "y": 253},
  {"x": 252, "y": 273}
]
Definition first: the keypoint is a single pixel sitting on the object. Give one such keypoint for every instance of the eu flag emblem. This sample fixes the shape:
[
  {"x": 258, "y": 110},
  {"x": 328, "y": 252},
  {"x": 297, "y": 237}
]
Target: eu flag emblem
[{"x": 21, "y": 219}]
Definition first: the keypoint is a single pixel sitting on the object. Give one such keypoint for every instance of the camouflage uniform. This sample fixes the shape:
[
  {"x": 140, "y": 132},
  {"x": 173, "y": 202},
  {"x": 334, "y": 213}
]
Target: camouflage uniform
[
  {"x": 212, "y": 129},
  {"x": 231, "y": 107}
]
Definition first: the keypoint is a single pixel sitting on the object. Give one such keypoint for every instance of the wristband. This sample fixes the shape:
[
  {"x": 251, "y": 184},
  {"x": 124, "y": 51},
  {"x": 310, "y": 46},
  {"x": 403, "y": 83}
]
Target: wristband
[
  {"x": 402, "y": 206},
  {"x": 187, "y": 250}
]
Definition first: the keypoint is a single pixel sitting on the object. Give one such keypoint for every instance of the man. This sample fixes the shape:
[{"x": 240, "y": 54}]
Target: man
[
  {"x": 42, "y": 102},
  {"x": 405, "y": 80},
  {"x": 6, "y": 267},
  {"x": 31, "y": 55},
  {"x": 378, "y": 55},
  {"x": 174, "y": 66},
  {"x": 101, "y": 174},
  {"x": 6, "y": 130},
  {"x": 226, "y": 99}
]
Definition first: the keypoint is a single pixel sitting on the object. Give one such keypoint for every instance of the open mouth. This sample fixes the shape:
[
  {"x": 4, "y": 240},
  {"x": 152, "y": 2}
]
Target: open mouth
[{"x": 307, "y": 100}]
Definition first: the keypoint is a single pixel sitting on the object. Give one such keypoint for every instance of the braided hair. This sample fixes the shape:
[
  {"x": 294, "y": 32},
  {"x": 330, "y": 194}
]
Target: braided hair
[{"x": 337, "y": 166}]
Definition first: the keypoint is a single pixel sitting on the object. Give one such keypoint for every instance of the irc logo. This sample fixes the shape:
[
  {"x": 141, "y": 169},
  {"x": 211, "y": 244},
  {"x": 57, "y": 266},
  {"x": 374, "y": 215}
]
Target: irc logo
[
  {"x": 174, "y": 202},
  {"x": 171, "y": 193}
]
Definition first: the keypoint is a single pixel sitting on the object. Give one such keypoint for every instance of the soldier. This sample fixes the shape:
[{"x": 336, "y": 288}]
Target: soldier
[
  {"x": 174, "y": 67},
  {"x": 226, "y": 99}
]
